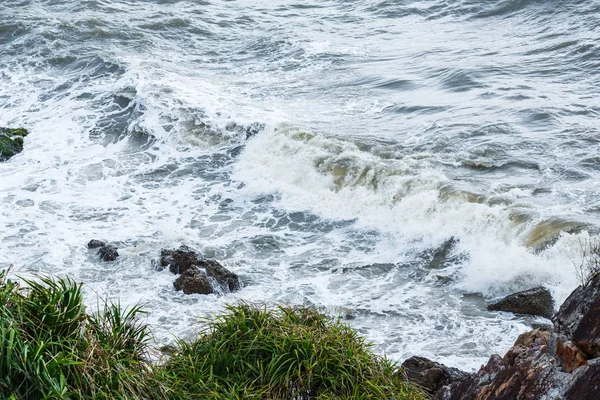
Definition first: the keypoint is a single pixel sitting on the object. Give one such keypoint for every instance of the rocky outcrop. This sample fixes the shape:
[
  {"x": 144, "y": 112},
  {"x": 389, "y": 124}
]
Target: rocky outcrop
[
  {"x": 536, "y": 301},
  {"x": 193, "y": 281},
  {"x": 430, "y": 375},
  {"x": 11, "y": 142},
  {"x": 579, "y": 318},
  {"x": 179, "y": 260},
  {"x": 197, "y": 275},
  {"x": 562, "y": 362}
]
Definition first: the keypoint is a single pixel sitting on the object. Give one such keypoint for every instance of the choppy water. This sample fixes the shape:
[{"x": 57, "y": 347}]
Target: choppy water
[{"x": 400, "y": 163}]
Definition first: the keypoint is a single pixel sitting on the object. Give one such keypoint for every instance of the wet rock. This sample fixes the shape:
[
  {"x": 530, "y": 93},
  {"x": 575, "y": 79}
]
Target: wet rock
[
  {"x": 579, "y": 318},
  {"x": 222, "y": 275},
  {"x": 108, "y": 253},
  {"x": 557, "y": 364},
  {"x": 94, "y": 244},
  {"x": 570, "y": 355},
  {"x": 536, "y": 301},
  {"x": 193, "y": 281},
  {"x": 585, "y": 384},
  {"x": 201, "y": 272},
  {"x": 179, "y": 260},
  {"x": 431, "y": 375},
  {"x": 11, "y": 142}
]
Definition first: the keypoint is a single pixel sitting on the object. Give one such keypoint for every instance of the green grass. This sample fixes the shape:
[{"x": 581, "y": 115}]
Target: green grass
[
  {"x": 286, "y": 353},
  {"x": 51, "y": 348}
]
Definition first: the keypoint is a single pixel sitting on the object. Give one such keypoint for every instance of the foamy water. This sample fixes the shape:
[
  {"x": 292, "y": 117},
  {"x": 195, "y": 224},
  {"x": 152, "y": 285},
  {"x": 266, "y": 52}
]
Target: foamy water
[{"x": 399, "y": 165}]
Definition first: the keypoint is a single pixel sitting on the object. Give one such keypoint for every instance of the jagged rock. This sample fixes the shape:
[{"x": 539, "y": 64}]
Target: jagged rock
[
  {"x": 179, "y": 260},
  {"x": 536, "y": 301},
  {"x": 585, "y": 384},
  {"x": 11, "y": 142},
  {"x": 185, "y": 259},
  {"x": 94, "y": 244},
  {"x": 579, "y": 318},
  {"x": 108, "y": 253},
  {"x": 553, "y": 365},
  {"x": 570, "y": 355},
  {"x": 221, "y": 274},
  {"x": 430, "y": 375},
  {"x": 193, "y": 281}
]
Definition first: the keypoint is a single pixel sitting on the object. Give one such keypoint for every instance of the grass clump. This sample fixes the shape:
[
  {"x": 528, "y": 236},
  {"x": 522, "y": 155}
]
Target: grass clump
[
  {"x": 286, "y": 353},
  {"x": 50, "y": 348}
]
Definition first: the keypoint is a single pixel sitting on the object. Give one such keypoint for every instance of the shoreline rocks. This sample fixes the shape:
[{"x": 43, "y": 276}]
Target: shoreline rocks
[
  {"x": 536, "y": 301},
  {"x": 559, "y": 363}
]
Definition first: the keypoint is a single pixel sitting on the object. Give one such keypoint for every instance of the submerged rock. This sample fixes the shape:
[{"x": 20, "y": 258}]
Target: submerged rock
[
  {"x": 536, "y": 301},
  {"x": 430, "y": 375},
  {"x": 197, "y": 272},
  {"x": 11, "y": 142}
]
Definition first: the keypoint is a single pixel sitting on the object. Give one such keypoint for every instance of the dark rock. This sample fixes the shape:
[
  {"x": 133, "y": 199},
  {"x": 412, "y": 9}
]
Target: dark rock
[
  {"x": 11, "y": 142},
  {"x": 222, "y": 275},
  {"x": 108, "y": 253},
  {"x": 186, "y": 259},
  {"x": 557, "y": 364},
  {"x": 585, "y": 384},
  {"x": 579, "y": 318},
  {"x": 94, "y": 244},
  {"x": 193, "y": 281},
  {"x": 430, "y": 375},
  {"x": 537, "y": 301},
  {"x": 179, "y": 260}
]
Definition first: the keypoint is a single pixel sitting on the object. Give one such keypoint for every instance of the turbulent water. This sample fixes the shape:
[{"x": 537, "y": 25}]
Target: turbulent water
[{"x": 397, "y": 163}]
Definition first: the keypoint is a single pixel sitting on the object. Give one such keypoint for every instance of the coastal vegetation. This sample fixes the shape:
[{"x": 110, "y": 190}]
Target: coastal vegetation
[{"x": 53, "y": 348}]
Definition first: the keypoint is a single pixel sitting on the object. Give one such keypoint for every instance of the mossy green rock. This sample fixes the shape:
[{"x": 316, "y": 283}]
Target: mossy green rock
[{"x": 11, "y": 142}]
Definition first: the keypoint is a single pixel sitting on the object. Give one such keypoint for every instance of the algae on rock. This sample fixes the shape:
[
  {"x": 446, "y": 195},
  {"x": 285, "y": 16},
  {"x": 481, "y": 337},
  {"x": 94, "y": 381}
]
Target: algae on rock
[{"x": 11, "y": 142}]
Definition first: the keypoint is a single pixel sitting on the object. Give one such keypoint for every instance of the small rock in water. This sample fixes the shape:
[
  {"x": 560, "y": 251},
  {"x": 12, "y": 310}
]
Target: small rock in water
[
  {"x": 108, "y": 253},
  {"x": 197, "y": 272},
  {"x": 536, "y": 301},
  {"x": 193, "y": 281},
  {"x": 94, "y": 244}
]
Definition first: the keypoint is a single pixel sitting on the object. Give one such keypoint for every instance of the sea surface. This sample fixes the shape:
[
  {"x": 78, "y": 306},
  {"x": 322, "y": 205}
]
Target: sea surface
[{"x": 399, "y": 164}]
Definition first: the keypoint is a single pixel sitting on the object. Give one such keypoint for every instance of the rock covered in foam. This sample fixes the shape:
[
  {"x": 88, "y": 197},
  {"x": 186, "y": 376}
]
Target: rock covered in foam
[{"x": 536, "y": 301}]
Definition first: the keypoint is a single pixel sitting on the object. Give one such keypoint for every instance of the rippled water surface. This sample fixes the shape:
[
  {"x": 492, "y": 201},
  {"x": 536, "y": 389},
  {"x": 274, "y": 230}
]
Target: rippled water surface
[{"x": 397, "y": 163}]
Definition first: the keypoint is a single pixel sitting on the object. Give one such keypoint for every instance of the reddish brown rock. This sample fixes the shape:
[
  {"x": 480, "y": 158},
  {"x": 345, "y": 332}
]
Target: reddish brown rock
[{"x": 570, "y": 356}]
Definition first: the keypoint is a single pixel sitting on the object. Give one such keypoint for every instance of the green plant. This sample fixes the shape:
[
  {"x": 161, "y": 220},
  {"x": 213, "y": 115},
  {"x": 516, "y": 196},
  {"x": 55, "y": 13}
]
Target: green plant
[
  {"x": 286, "y": 353},
  {"x": 51, "y": 349}
]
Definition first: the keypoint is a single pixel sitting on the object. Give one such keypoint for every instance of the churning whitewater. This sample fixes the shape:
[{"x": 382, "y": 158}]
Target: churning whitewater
[{"x": 396, "y": 163}]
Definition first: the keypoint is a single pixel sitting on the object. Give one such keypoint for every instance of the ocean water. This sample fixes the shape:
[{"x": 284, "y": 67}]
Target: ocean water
[{"x": 399, "y": 164}]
